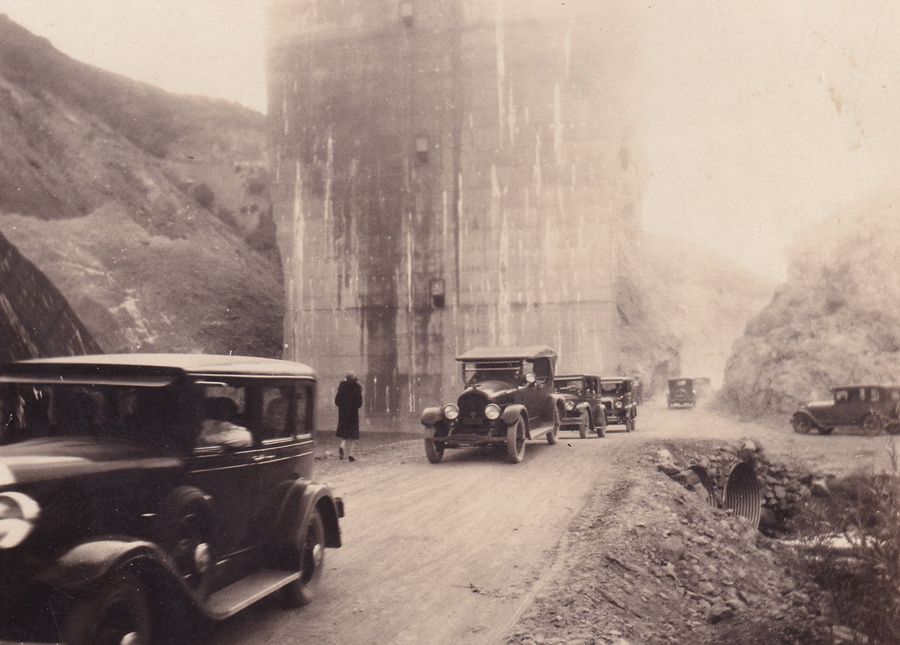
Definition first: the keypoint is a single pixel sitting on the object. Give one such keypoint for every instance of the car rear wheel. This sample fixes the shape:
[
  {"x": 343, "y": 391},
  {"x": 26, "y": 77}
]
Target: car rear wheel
[
  {"x": 310, "y": 558},
  {"x": 801, "y": 424},
  {"x": 115, "y": 613},
  {"x": 893, "y": 427},
  {"x": 554, "y": 434},
  {"x": 872, "y": 424},
  {"x": 434, "y": 450},
  {"x": 515, "y": 442},
  {"x": 601, "y": 427}
]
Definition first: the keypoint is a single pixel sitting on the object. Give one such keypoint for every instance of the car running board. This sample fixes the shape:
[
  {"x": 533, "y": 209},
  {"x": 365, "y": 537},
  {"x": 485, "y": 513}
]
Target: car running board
[{"x": 246, "y": 591}]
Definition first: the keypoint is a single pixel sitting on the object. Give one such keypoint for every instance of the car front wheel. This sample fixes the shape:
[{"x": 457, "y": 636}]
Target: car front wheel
[
  {"x": 116, "y": 612},
  {"x": 310, "y": 558},
  {"x": 515, "y": 442},
  {"x": 801, "y": 424},
  {"x": 434, "y": 451}
]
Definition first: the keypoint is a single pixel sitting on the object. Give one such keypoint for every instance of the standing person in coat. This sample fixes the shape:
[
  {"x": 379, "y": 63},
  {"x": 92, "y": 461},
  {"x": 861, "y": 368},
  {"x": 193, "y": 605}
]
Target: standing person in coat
[{"x": 348, "y": 401}]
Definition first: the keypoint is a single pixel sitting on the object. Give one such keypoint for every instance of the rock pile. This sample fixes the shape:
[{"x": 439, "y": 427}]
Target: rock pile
[
  {"x": 784, "y": 488},
  {"x": 654, "y": 563}
]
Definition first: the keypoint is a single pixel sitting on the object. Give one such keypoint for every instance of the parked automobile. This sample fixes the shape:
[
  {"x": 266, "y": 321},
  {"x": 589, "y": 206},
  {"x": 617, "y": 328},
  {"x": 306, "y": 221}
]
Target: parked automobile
[
  {"x": 508, "y": 399},
  {"x": 871, "y": 407},
  {"x": 141, "y": 491},
  {"x": 583, "y": 409},
  {"x": 681, "y": 392},
  {"x": 617, "y": 394}
]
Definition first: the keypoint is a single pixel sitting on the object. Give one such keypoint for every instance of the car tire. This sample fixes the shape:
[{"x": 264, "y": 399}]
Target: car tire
[
  {"x": 434, "y": 451},
  {"x": 825, "y": 431},
  {"x": 185, "y": 530},
  {"x": 115, "y": 612},
  {"x": 553, "y": 435},
  {"x": 801, "y": 424},
  {"x": 515, "y": 442},
  {"x": 893, "y": 427},
  {"x": 584, "y": 424},
  {"x": 872, "y": 424},
  {"x": 310, "y": 558}
]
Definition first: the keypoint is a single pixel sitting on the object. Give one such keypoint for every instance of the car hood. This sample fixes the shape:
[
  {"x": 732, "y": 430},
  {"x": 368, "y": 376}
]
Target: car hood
[
  {"x": 494, "y": 389},
  {"x": 818, "y": 405},
  {"x": 61, "y": 458}
]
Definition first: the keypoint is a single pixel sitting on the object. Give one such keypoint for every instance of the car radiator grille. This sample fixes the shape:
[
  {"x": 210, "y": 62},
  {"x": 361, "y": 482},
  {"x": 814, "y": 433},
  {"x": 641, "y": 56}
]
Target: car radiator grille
[{"x": 471, "y": 408}]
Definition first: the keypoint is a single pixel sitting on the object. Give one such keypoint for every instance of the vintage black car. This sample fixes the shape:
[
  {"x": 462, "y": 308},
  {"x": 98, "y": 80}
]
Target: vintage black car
[
  {"x": 139, "y": 492},
  {"x": 583, "y": 409},
  {"x": 617, "y": 394},
  {"x": 871, "y": 407},
  {"x": 508, "y": 399},
  {"x": 681, "y": 393}
]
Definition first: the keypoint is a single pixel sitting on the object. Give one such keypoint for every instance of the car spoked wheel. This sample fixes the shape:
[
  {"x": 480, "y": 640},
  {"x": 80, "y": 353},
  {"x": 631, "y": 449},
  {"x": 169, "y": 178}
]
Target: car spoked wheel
[
  {"x": 584, "y": 425},
  {"x": 434, "y": 450},
  {"x": 192, "y": 553},
  {"x": 554, "y": 434},
  {"x": 310, "y": 558},
  {"x": 515, "y": 442},
  {"x": 801, "y": 425},
  {"x": 872, "y": 424},
  {"x": 115, "y": 613}
]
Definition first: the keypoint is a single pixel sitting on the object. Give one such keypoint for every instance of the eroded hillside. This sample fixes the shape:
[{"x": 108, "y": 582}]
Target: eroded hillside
[
  {"x": 148, "y": 211},
  {"x": 835, "y": 320}
]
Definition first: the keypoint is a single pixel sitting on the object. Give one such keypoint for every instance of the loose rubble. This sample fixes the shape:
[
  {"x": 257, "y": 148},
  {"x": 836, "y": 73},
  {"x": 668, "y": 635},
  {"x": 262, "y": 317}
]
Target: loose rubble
[{"x": 654, "y": 563}]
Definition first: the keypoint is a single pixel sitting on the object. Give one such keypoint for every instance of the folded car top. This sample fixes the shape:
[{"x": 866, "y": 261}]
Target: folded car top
[{"x": 507, "y": 353}]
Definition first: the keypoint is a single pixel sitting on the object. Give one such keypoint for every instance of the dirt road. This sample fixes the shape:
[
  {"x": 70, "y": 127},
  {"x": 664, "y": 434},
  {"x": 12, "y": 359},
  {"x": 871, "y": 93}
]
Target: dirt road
[{"x": 454, "y": 552}]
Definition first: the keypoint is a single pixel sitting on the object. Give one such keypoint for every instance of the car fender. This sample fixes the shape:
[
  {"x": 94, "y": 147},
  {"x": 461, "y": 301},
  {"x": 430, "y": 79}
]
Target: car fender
[
  {"x": 87, "y": 563},
  {"x": 299, "y": 502},
  {"x": 430, "y": 416},
  {"x": 511, "y": 414},
  {"x": 808, "y": 415}
]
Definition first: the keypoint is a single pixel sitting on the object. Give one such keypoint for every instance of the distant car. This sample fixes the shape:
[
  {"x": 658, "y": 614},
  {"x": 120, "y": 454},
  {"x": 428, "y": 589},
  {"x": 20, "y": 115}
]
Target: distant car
[
  {"x": 508, "y": 399},
  {"x": 871, "y": 407},
  {"x": 617, "y": 394},
  {"x": 583, "y": 409},
  {"x": 681, "y": 392},
  {"x": 140, "y": 491}
]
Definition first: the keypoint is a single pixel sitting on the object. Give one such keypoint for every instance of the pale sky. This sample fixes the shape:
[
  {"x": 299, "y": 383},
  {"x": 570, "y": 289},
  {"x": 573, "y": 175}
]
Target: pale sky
[{"x": 761, "y": 117}]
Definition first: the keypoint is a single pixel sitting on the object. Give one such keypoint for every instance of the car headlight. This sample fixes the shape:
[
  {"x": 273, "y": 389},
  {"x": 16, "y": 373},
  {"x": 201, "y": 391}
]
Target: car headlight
[
  {"x": 18, "y": 513},
  {"x": 618, "y": 404},
  {"x": 570, "y": 405},
  {"x": 492, "y": 411},
  {"x": 451, "y": 412}
]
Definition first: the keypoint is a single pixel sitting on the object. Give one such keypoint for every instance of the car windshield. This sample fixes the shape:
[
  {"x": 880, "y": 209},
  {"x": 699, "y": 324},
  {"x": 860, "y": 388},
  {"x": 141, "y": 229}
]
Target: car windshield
[
  {"x": 571, "y": 384},
  {"x": 509, "y": 371},
  {"x": 617, "y": 388},
  {"x": 31, "y": 411},
  {"x": 679, "y": 384}
]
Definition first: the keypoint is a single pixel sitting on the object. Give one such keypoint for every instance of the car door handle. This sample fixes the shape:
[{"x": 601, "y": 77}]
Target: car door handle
[{"x": 258, "y": 458}]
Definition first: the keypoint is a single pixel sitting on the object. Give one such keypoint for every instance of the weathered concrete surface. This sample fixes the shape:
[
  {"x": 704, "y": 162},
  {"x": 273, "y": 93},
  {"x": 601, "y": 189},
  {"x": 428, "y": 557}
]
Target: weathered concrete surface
[{"x": 482, "y": 147}]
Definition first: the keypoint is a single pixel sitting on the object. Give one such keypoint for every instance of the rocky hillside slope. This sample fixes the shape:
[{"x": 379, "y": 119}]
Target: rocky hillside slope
[
  {"x": 835, "y": 320},
  {"x": 681, "y": 307},
  {"x": 148, "y": 211}
]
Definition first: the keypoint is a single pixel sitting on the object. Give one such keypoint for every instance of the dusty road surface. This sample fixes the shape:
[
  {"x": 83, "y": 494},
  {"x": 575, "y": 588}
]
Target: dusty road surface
[{"x": 455, "y": 552}]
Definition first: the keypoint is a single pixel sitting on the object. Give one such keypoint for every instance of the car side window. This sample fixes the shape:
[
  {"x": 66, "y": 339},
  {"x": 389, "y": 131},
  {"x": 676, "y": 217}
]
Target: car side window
[
  {"x": 841, "y": 395},
  {"x": 874, "y": 395},
  {"x": 304, "y": 416},
  {"x": 223, "y": 418},
  {"x": 276, "y": 409}
]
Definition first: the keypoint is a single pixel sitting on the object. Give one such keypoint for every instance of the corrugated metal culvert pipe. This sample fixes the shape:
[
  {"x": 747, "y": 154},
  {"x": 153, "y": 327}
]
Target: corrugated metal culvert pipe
[
  {"x": 708, "y": 485},
  {"x": 741, "y": 493}
]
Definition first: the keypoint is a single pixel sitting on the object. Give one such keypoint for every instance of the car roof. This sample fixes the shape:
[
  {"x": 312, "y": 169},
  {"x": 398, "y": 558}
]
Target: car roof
[
  {"x": 153, "y": 367},
  {"x": 616, "y": 378},
  {"x": 881, "y": 387},
  {"x": 507, "y": 353},
  {"x": 570, "y": 376},
  {"x": 682, "y": 378}
]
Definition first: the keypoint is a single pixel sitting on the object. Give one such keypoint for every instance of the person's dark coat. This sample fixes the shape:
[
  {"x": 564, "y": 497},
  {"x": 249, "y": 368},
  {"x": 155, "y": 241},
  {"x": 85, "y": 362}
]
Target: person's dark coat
[{"x": 348, "y": 401}]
